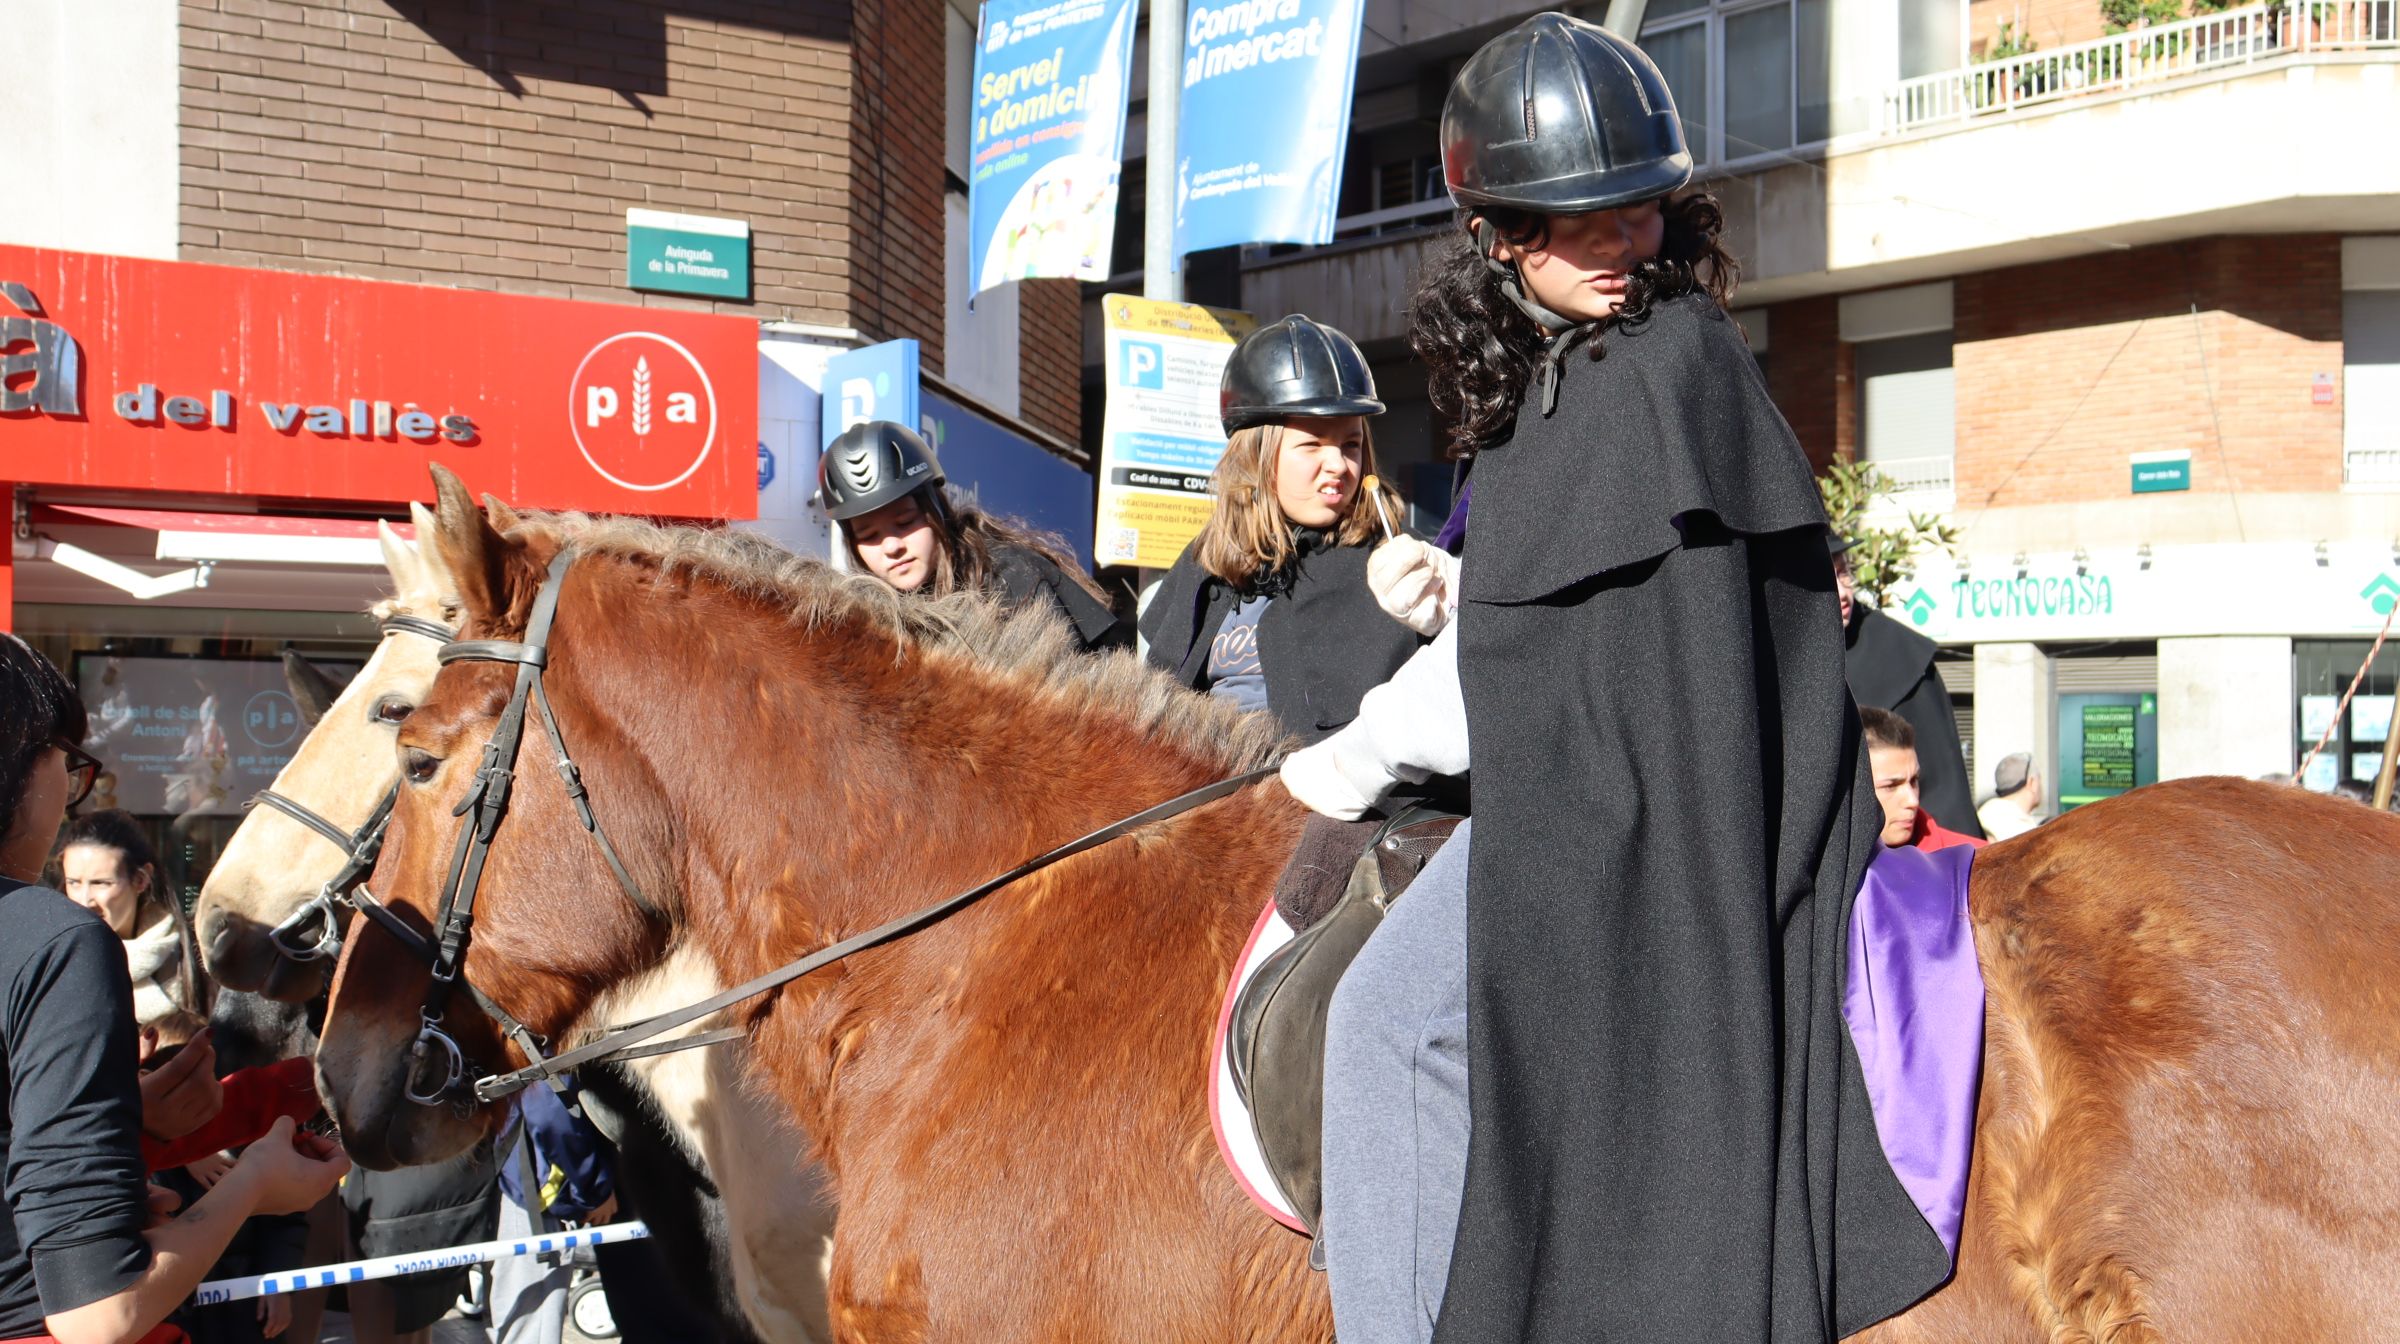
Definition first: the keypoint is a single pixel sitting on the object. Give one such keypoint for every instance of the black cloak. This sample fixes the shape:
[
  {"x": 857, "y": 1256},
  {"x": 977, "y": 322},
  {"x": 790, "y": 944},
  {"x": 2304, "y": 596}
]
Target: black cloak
[
  {"x": 1323, "y": 642},
  {"x": 1671, "y": 1134},
  {"x": 1026, "y": 575},
  {"x": 1891, "y": 667}
]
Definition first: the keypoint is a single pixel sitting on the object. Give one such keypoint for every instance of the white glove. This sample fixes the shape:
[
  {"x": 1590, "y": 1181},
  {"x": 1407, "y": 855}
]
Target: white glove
[
  {"x": 1316, "y": 777},
  {"x": 1412, "y": 582}
]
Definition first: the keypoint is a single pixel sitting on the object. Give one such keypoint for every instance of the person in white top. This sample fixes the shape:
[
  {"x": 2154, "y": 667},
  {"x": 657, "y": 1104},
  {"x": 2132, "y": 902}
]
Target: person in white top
[{"x": 2015, "y": 806}]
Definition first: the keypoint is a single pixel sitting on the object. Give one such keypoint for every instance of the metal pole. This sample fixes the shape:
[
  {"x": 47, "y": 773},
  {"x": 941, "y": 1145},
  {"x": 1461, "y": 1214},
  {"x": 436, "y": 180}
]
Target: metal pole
[{"x": 1162, "y": 269}]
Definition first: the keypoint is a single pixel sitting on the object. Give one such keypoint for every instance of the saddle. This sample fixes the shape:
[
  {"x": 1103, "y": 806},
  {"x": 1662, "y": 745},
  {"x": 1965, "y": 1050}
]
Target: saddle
[{"x": 1275, "y": 1032}]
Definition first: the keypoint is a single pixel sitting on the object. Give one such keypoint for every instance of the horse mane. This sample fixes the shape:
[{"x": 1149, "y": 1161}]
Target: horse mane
[{"x": 1029, "y": 648}]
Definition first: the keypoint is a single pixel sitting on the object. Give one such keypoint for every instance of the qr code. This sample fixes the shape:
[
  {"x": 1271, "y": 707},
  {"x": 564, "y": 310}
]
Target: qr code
[{"x": 1124, "y": 545}]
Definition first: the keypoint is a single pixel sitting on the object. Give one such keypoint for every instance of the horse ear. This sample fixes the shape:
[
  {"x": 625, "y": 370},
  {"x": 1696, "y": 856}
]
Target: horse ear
[
  {"x": 468, "y": 547},
  {"x": 312, "y": 690},
  {"x": 398, "y": 556},
  {"x": 499, "y": 515}
]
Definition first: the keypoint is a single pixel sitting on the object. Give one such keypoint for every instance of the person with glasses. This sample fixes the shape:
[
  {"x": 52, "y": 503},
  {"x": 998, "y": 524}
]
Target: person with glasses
[{"x": 88, "y": 1251}]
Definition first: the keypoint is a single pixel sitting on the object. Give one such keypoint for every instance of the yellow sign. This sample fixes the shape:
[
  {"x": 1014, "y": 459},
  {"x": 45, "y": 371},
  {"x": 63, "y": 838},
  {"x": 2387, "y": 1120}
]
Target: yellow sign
[{"x": 1161, "y": 436}]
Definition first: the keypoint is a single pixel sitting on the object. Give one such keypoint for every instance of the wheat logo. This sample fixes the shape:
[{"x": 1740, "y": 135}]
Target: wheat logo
[{"x": 642, "y": 411}]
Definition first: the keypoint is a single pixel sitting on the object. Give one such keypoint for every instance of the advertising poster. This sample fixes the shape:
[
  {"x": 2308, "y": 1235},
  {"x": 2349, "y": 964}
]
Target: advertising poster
[
  {"x": 2370, "y": 718},
  {"x": 1047, "y": 136},
  {"x": 186, "y": 736},
  {"x": 1288, "y": 64},
  {"x": 1161, "y": 436}
]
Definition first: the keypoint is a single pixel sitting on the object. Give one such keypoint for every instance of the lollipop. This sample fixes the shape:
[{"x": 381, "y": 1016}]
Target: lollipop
[{"x": 1369, "y": 485}]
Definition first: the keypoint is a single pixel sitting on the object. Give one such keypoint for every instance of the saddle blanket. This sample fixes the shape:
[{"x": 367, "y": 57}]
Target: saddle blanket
[
  {"x": 1237, "y": 1138},
  {"x": 1913, "y": 1000}
]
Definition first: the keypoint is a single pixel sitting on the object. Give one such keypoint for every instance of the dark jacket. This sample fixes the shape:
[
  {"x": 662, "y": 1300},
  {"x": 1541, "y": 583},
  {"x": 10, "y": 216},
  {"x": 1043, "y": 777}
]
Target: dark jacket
[
  {"x": 1671, "y": 1137},
  {"x": 1323, "y": 643},
  {"x": 1029, "y": 576},
  {"x": 1891, "y": 667},
  {"x": 70, "y": 1131}
]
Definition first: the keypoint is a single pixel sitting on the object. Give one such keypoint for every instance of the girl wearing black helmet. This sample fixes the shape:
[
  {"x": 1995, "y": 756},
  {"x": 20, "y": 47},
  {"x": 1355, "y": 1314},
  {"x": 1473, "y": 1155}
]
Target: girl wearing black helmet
[
  {"x": 1269, "y": 606},
  {"x": 882, "y": 485},
  {"x": 1666, "y": 1131}
]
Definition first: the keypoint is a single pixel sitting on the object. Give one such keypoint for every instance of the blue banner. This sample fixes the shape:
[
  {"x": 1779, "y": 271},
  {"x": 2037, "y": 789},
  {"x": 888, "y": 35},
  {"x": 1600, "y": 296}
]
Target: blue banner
[
  {"x": 1047, "y": 138},
  {"x": 1265, "y": 117}
]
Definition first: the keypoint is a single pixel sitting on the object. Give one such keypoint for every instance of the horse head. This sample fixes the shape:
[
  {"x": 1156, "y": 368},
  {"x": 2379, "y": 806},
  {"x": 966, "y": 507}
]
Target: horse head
[
  {"x": 550, "y": 929},
  {"x": 779, "y": 756},
  {"x": 275, "y": 864}
]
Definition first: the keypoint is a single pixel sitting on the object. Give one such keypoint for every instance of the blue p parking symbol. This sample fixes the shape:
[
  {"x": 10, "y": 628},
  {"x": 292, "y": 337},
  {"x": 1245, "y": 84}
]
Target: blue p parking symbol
[{"x": 1145, "y": 365}]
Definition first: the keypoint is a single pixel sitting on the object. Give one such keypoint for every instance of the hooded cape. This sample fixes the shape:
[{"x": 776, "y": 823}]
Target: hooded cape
[
  {"x": 1891, "y": 667},
  {"x": 1671, "y": 1134}
]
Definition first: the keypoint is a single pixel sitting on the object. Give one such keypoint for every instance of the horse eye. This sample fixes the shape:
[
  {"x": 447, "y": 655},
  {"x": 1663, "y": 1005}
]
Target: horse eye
[
  {"x": 391, "y": 709},
  {"x": 420, "y": 766}
]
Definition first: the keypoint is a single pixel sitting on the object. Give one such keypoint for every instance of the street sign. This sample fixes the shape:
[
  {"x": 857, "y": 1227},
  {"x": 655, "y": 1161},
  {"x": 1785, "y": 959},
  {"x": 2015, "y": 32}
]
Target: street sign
[
  {"x": 687, "y": 254},
  {"x": 2157, "y": 472},
  {"x": 1160, "y": 437}
]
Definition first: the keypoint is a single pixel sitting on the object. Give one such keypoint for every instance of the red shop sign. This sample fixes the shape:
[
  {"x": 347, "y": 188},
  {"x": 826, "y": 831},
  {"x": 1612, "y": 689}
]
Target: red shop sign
[{"x": 156, "y": 375}]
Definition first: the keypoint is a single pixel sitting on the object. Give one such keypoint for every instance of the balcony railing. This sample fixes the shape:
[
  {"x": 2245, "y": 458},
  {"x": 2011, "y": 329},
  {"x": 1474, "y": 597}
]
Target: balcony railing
[
  {"x": 1918, "y": 480},
  {"x": 2372, "y": 469},
  {"x": 2140, "y": 57}
]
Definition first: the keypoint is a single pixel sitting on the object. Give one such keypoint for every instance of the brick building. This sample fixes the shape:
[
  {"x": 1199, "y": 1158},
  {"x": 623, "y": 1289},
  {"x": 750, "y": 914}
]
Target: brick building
[{"x": 464, "y": 144}]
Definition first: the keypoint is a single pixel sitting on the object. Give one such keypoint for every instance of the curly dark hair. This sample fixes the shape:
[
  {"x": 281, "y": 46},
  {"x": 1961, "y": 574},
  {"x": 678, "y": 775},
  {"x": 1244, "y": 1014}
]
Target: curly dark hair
[
  {"x": 1480, "y": 350},
  {"x": 37, "y": 707}
]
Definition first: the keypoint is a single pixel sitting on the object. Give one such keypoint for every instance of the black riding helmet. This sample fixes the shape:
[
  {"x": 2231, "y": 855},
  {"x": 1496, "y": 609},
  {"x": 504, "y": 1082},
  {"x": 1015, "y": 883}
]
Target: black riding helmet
[
  {"x": 1561, "y": 117},
  {"x": 1296, "y": 367},
  {"x": 871, "y": 465},
  {"x": 1557, "y": 117}
]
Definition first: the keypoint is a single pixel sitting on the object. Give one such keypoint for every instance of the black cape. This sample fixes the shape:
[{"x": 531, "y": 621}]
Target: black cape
[
  {"x": 1891, "y": 667},
  {"x": 1671, "y": 1135},
  {"x": 1323, "y": 642},
  {"x": 1029, "y": 576}
]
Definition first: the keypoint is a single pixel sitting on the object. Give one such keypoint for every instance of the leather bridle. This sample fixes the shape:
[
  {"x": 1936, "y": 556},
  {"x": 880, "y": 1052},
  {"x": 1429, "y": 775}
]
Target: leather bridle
[
  {"x": 437, "y": 1067},
  {"x": 314, "y": 931}
]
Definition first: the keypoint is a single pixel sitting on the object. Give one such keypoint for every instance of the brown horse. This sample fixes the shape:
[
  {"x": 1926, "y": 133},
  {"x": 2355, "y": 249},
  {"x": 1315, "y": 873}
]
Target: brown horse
[{"x": 2193, "y": 1083}]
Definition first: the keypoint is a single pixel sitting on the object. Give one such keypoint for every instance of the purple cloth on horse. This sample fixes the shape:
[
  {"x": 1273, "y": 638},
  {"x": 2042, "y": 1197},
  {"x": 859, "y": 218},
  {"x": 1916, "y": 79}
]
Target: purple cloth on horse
[
  {"x": 1914, "y": 1003},
  {"x": 1454, "y": 532}
]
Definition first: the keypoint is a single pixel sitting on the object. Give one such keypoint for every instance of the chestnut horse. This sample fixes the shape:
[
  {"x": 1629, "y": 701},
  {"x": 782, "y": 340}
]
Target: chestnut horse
[
  {"x": 754, "y": 1257},
  {"x": 2193, "y": 1083}
]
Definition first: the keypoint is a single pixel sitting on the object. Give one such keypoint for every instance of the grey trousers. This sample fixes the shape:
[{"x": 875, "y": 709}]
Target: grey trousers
[
  {"x": 1396, "y": 1111},
  {"x": 529, "y": 1294}
]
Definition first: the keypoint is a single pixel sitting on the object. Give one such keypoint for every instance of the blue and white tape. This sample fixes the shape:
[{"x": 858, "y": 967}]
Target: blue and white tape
[{"x": 415, "y": 1262}]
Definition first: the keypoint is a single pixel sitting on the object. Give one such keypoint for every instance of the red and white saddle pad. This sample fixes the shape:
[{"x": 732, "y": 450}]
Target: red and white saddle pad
[{"x": 1237, "y": 1138}]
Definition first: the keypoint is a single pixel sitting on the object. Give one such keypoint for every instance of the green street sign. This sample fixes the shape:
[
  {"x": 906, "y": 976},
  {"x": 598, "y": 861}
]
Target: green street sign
[
  {"x": 2156, "y": 472},
  {"x": 668, "y": 253}
]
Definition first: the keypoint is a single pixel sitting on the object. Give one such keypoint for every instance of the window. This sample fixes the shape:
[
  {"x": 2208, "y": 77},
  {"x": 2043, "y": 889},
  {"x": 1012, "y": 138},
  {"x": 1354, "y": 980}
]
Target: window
[
  {"x": 2371, "y": 388},
  {"x": 1907, "y": 411},
  {"x": 1768, "y": 95}
]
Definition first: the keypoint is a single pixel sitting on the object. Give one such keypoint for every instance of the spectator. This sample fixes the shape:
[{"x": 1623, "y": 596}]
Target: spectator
[
  {"x": 1891, "y": 667},
  {"x": 1892, "y": 757},
  {"x": 2015, "y": 806},
  {"x": 557, "y": 1170},
  {"x": 106, "y": 866},
  {"x": 87, "y": 1255}
]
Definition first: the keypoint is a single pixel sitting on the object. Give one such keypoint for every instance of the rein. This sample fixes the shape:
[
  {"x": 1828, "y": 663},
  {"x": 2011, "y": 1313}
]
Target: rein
[{"x": 437, "y": 1066}]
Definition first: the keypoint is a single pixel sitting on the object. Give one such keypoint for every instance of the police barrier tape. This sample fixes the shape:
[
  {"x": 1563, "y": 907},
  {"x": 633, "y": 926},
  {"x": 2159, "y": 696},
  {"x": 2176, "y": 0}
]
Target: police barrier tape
[{"x": 416, "y": 1262}]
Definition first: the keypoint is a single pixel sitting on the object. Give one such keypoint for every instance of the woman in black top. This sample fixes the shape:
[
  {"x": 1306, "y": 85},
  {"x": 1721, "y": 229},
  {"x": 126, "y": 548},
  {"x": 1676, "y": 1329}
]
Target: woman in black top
[
  {"x": 1269, "y": 606},
  {"x": 882, "y": 486},
  {"x": 80, "y": 1258}
]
